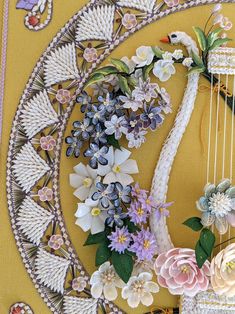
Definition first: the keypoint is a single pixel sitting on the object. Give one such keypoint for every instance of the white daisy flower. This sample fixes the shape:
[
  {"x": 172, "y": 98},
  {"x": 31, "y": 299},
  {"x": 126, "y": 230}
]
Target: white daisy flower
[
  {"x": 144, "y": 56},
  {"x": 84, "y": 181},
  {"x": 119, "y": 167},
  {"x": 177, "y": 54},
  {"x": 105, "y": 280},
  {"x": 163, "y": 69},
  {"x": 167, "y": 56}
]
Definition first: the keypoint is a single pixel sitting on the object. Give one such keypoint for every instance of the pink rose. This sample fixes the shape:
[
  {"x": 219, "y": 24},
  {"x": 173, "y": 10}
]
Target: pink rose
[
  {"x": 63, "y": 96},
  {"x": 171, "y": 3},
  {"x": 90, "y": 54},
  {"x": 45, "y": 194},
  {"x": 55, "y": 242},
  {"x": 177, "y": 270},
  {"x": 129, "y": 21},
  {"x": 47, "y": 142}
]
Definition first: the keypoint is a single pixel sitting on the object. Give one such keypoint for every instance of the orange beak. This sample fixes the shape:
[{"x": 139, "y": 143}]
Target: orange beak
[{"x": 165, "y": 40}]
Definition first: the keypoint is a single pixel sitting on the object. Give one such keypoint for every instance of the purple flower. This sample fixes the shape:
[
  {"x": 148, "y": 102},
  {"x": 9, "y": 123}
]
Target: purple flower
[
  {"x": 151, "y": 117},
  {"x": 97, "y": 155},
  {"x": 120, "y": 193},
  {"x": 85, "y": 100},
  {"x": 148, "y": 203},
  {"x": 83, "y": 128},
  {"x": 26, "y": 4},
  {"x": 137, "y": 213},
  {"x": 120, "y": 240},
  {"x": 133, "y": 123},
  {"x": 96, "y": 115},
  {"x": 161, "y": 210},
  {"x": 145, "y": 91},
  {"x": 144, "y": 245},
  {"x": 116, "y": 216},
  {"x": 99, "y": 136},
  {"x": 136, "y": 191},
  {"x": 103, "y": 194}
]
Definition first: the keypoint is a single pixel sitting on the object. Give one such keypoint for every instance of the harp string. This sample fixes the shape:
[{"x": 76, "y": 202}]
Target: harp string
[
  {"x": 209, "y": 131},
  {"x": 217, "y": 130}
]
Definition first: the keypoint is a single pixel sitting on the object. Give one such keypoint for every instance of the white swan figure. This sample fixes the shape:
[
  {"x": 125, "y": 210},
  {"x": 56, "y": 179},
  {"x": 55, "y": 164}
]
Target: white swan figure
[{"x": 162, "y": 172}]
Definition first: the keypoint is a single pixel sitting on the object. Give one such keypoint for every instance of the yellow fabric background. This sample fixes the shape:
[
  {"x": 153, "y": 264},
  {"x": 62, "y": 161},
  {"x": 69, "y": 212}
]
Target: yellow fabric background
[{"x": 188, "y": 175}]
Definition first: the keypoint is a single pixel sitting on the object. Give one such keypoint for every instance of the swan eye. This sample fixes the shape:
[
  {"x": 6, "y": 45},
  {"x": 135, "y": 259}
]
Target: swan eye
[{"x": 173, "y": 36}]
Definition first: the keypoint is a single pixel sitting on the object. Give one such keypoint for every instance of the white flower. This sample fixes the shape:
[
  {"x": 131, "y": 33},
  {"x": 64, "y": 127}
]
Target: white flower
[
  {"x": 130, "y": 63},
  {"x": 226, "y": 24},
  {"x": 136, "y": 139},
  {"x": 139, "y": 289},
  {"x": 167, "y": 56},
  {"x": 163, "y": 70},
  {"x": 165, "y": 101},
  {"x": 119, "y": 167},
  {"x": 105, "y": 280},
  {"x": 91, "y": 216},
  {"x": 177, "y": 54},
  {"x": 217, "y": 8},
  {"x": 115, "y": 126},
  {"x": 144, "y": 56},
  {"x": 130, "y": 103},
  {"x": 187, "y": 62},
  {"x": 218, "y": 19},
  {"x": 84, "y": 180}
]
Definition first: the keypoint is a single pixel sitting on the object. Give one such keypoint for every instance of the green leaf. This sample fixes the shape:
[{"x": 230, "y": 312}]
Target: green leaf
[
  {"x": 95, "y": 238},
  {"x": 197, "y": 60},
  {"x": 113, "y": 142},
  {"x": 218, "y": 42},
  {"x": 131, "y": 226},
  {"x": 207, "y": 241},
  {"x": 201, "y": 255},
  {"x": 120, "y": 65},
  {"x": 146, "y": 71},
  {"x": 213, "y": 36},
  {"x": 201, "y": 38},
  {"x": 194, "y": 223},
  {"x": 197, "y": 69},
  {"x": 123, "y": 264},
  {"x": 124, "y": 85},
  {"x": 106, "y": 70},
  {"x": 158, "y": 52},
  {"x": 94, "y": 79},
  {"x": 103, "y": 254}
]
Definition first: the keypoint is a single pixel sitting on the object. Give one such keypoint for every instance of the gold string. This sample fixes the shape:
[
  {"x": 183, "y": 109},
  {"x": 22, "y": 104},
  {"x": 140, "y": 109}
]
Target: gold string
[
  {"x": 163, "y": 311},
  {"x": 204, "y": 88}
]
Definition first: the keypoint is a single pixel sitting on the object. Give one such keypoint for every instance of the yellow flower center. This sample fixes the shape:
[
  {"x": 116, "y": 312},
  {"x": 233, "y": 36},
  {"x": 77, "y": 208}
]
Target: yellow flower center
[
  {"x": 230, "y": 266},
  {"x": 140, "y": 211},
  {"x": 116, "y": 169},
  {"x": 148, "y": 202},
  {"x": 184, "y": 269},
  {"x": 87, "y": 182},
  {"x": 95, "y": 211},
  {"x": 143, "y": 55},
  {"x": 122, "y": 239},
  {"x": 146, "y": 244}
]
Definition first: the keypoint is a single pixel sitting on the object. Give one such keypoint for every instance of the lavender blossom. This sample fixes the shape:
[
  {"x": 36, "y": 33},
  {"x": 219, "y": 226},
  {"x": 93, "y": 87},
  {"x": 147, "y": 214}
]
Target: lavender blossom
[
  {"x": 116, "y": 216},
  {"x": 97, "y": 155},
  {"x": 151, "y": 117},
  {"x": 120, "y": 240},
  {"x": 145, "y": 90},
  {"x": 137, "y": 213},
  {"x": 161, "y": 210}
]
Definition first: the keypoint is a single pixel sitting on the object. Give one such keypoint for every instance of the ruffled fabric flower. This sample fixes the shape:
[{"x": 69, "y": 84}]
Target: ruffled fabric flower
[
  {"x": 55, "y": 242},
  {"x": 119, "y": 167},
  {"x": 144, "y": 245},
  {"x": 79, "y": 284},
  {"x": 90, "y": 54},
  {"x": 171, "y": 3},
  {"x": 144, "y": 56},
  {"x": 139, "y": 289},
  {"x": 47, "y": 142},
  {"x": 129, "y": 20},
  {"x": 91, "y": 216},
  {"x": 223, "y": 272},
  {"x": 63, "y": 96},
  {"x": 115, "y": 126},
  {"x": 177, "y": 271},
  {"x": 84, "y": 181},
  {"x": 163, "y": 69},
  {"x": 105, "y": 281},
  {"x": 120, "y": 239},
  {"x": 131, "y": 103},
  {"x": 218, "y": 205},
  {"x": 45, "y": 194}
]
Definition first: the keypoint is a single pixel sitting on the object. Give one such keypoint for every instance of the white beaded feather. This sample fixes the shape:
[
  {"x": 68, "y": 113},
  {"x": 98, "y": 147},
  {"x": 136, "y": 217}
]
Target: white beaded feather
[
  {"x": 96, "y": 23},
  {"x": 51, "y": 270},
  {"x": 28, "y": 167},
  {"x": 74, "y": 305},
  {"x": 33, "y": 220},
  {"x": 142, "y": 5},
  {"x": 61, "y": 65},
  {"x": 37, "y": 114}
]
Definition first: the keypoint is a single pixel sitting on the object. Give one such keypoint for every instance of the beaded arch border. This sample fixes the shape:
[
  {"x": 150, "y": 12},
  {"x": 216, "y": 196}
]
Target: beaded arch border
[{"x": 15, "y": 145}]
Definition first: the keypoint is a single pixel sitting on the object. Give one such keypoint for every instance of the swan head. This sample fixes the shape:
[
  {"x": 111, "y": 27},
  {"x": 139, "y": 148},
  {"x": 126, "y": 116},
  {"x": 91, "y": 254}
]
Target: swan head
[{"x": 181, "y": 38}]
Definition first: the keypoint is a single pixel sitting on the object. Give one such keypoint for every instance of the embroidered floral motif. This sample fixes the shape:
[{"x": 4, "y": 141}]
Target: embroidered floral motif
[
  {"x": 45, "y": 194},
  {"x": 90, "y": 54},
  {"x": 55, "y": 242},
  {"x": 63, "y": 96},
  {"x": 79, "y": 284},
  {"x": 47, "y": 142},
  {"x": 129, "y": 21}
]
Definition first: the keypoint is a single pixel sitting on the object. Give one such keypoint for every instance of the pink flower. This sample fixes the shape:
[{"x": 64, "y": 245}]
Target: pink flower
[
  {"x": 129, "y": 21},
  {"x": 226, "y": 24},
  {"x": 177, "y": 270},
  {"x": 55, "y": 242},
  {"x": 79, "y": 284},
  {"x": 45, "y": 194},
  {"x": 63, "y": 96},
  {"x": 171, "y": 3},
  {"x": 90, "y": 54},
  {"x": 47, "y": 142}
]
